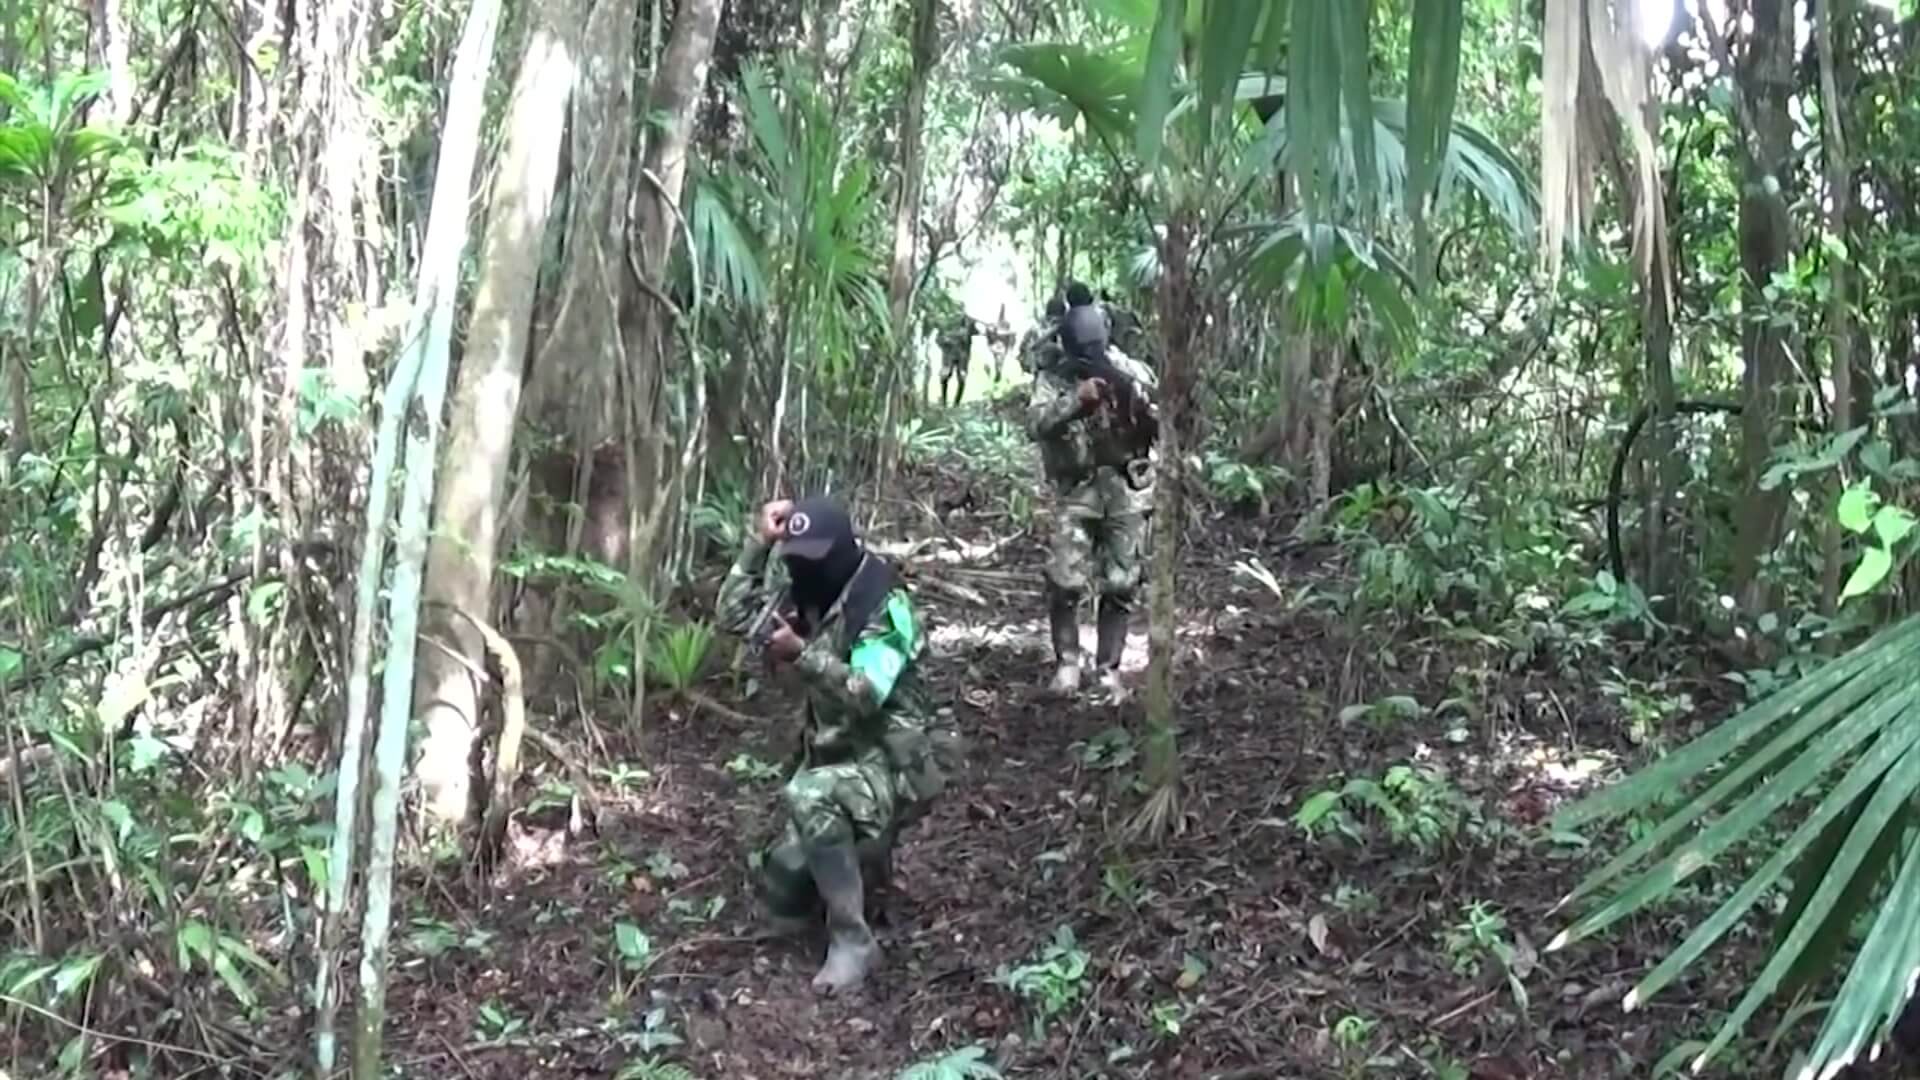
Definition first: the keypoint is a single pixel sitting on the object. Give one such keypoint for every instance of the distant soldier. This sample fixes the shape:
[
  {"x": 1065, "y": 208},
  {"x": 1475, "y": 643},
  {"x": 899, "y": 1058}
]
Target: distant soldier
[
  {"x": 1102, "y": 481},
  {"x": 866, "y": 769},
  {"x": 999, "y": 337},
  {"x": 956, "y": 348},
  {"x": 1034, "y": 349}
]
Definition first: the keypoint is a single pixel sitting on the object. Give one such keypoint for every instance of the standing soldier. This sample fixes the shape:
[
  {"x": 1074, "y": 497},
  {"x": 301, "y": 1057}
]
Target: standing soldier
[
  {"x": 999, "y": 337},
  {"x": 956, "y": 348},
  {"x": 1034, "y": 346},
  {"x": 866, "y": 768},
  {"x": 1102, "y": 482}
]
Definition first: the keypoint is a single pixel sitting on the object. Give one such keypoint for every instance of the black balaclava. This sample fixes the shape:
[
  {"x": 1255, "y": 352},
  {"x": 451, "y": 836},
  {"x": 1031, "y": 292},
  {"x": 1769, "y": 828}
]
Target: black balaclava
[
  {"x": 822, "y": 554},
  {"x": 1078, "y": 295},
  {"x": 1056, "y": 307}
]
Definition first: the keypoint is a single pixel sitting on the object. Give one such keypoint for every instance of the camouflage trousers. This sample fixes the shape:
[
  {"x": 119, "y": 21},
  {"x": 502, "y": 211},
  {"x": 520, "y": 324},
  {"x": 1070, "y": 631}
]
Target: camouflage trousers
[
  {"x": 858, "y": 802},
  {"x": 1099, "y": 535}
]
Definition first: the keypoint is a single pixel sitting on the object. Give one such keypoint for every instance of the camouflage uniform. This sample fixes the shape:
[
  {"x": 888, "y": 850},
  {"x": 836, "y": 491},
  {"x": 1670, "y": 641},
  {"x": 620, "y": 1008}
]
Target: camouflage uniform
[
  {"x": 865, "y": 768},
  {"x": 1101, "y": 503},
  {"x": 956, "y": 348}
]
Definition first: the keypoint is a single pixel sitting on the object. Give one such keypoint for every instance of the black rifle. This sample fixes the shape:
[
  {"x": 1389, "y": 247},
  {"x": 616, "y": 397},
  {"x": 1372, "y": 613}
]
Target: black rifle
[
  {"x": 760, "y": 631},
  {"x": 1134, "y": 417}
]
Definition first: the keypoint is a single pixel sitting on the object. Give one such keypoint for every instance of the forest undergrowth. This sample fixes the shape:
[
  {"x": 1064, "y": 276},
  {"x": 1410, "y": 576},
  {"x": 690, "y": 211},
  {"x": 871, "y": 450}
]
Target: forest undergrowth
[
  {"x": 1361, "y": 881},
  {"x": 1375, "y": 725}
]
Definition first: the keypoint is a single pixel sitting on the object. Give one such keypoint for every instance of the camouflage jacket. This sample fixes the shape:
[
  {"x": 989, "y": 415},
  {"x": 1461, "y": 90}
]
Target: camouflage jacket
[
  {"x": 859, "y": 698},
  {"x": 1073, "y": 446}
]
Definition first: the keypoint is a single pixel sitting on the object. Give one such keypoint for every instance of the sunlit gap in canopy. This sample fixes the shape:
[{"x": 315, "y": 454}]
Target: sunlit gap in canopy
[{"x": 1657, "y": 17}]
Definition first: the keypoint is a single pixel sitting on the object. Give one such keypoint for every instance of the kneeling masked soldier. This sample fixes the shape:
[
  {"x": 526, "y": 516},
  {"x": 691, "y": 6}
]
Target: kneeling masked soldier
[{"x": 865, "y": 768}]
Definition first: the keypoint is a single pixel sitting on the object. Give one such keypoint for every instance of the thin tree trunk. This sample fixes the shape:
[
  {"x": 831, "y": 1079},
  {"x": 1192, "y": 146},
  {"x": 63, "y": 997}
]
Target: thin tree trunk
[
  {"x": 1839, "y": 320},
  {"x": 429, "y": 337},
  {"x": 19, "y": 415},
  {"x": 107, "y": 44},
  {"x": 467, "y": 514},
  {"x": 1765, "y": 82},
  {"x": 906, "y": 210},
  {"x": 1178, "y": 324},
  {"x": 672, "y": 105}
]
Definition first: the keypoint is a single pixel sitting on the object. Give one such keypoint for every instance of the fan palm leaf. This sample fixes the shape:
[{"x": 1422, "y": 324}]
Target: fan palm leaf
[
  {"x": 1071, "y": 82},
  {"x": 1842, "y": 749}
]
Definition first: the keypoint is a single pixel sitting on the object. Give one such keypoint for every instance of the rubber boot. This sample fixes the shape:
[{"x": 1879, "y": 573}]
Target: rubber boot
[
  {"x": 787, "y": 890},
  {"x": 1112, "y": 627},
  {"x": 851, "y": 950},
  {"x": 876, "y": 873},
  {"x": 1063, "y": 615}
]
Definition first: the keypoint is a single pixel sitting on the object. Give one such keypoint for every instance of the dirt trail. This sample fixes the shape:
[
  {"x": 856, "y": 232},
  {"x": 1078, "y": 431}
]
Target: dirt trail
[{"x": 1243, "y": 948}]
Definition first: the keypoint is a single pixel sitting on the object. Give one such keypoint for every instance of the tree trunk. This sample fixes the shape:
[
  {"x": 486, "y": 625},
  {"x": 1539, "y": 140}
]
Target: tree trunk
[
  {"x": 1839, "y": 322},
  {"x": 19, "y": 415},
  {"x": 672, "y": 103},
  {"x": 906, "y": 210},
  {"x": 1178, "y": 321},
  {"x": 1765, "y": 81},
  {"x": 485, "y": 409},
  {"x": 326, "y": 273},
  {"x": 108, "y": 48},
  {"x": 1601, "y": 132},
  {"x": 418, "y": 382}
]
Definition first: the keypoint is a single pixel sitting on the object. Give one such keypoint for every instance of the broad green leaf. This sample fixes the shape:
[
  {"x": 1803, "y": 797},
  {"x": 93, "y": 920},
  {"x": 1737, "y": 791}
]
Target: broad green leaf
[
  {"x": 1334, "y": 298},
  {"x": 14, "y": 95},
  {"x": 1857, "y": 504},
  {"x": 1224, "y": 42},
  {"x": 74, "y": 973},
  {"x": 1351, "y": 20},
  {"x": 1315, "y": 808},
  {"x": 1874, "y": 564},
  {"x": 1433, "y": 78},
  {"x": 260, "y": 601},
  {"x": 1156, "y": 88},
  {"x": 117, "y": 815},
  {"x": 1892, "y": 524},
  {"x": 145, "y": 752},
  {"x": 632, "y": 942},
  {"x": 193, "y": 939},
  {"x": 236, "y": 983}
]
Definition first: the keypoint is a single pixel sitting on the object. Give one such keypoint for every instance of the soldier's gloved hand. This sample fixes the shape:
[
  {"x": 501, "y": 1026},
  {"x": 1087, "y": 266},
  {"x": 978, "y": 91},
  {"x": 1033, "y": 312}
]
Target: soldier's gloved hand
[
  {"x": 784, "y": 644},
  {"x": 772, "y": 519},
  {"x": 1090, "y": 391}
]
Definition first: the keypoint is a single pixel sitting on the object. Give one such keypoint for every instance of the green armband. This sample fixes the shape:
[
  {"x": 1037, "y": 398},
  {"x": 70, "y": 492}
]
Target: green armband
[{"x": 880, "y": 659}]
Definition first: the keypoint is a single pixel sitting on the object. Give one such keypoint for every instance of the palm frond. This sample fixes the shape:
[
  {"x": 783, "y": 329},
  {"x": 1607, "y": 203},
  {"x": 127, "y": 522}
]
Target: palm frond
[
  {"x": 725, "y": 248},
  {"x": 1295, "y": 251},
  {"x": 1073, "y": 83},
  {"x": 1579, "y": 32},
  {"x": 1841, "y": 748},
  {"x": 1433, "y": 80},
  {"x": 1470, "y": 159}
]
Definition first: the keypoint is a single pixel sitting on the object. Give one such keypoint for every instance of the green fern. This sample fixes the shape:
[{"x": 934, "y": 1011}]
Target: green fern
[{"x": 966, "y": 1063}]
